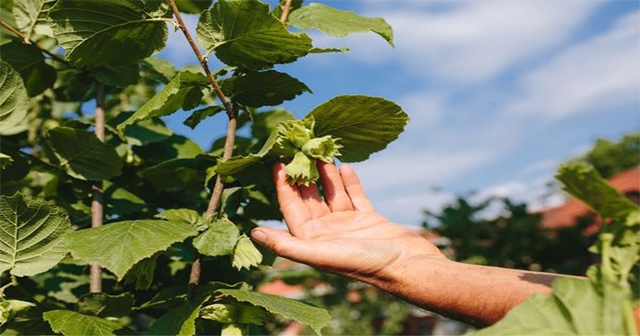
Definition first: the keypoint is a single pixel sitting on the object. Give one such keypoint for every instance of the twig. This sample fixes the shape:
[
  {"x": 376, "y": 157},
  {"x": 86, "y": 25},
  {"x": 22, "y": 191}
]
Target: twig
[
  {"x": 286, "y": 8},
  {"x": 216, "y": 193},
  {"x": 26, "y": 40},
  {"x": 97, "y": 208}
]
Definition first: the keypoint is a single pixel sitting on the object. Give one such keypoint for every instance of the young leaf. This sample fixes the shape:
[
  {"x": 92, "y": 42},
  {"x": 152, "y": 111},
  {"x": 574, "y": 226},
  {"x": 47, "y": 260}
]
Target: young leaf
[
  {"x": 245, "y": 254},
  {"x": 14, "y": 101},
  {"x": 31, "y": 17},
  {"x": 314, "y": 317},
  {"x": 69, "y": 322},
  {"x": 218, "y": 240},
  {"x": 32, "y": 235},
  {"x": 183, "y": 91},
  {"x": 29, "y": 62},
  {"x": 267, "y": 88},
  {"x": 83, "y": 155},
  {"x": 118, "y": 246},
  {"x": 245, "y": 34},
  {"x": 338, "y": 23},
  {"x": 5, "y": 160},
  {"x": 97, "y": 32},
  {"x": 363, "y": 125},
  {"x": 584, "y": 183}
]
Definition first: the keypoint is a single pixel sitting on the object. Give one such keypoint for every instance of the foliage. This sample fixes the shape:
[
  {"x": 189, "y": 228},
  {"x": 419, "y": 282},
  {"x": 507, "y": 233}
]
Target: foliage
[
  {"x": 82, "y": 131},
  {"x": 612, "y": 157},
  {"x": 513, "y": 239},
  {"x": 603, "y": 303}
]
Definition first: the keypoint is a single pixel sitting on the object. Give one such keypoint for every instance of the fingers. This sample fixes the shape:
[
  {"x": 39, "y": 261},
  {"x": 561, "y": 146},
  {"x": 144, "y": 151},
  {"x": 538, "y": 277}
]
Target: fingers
[
  {"x": 334, "y": 192},
  {"x": 354, "y": 189},
  {"x": 284, "y": 244},
  {"x": 292, "y": 206}
]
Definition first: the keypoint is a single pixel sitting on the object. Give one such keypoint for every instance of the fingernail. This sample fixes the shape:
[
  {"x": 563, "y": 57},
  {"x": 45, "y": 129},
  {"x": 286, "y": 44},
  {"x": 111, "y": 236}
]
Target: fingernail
[{"x": 258, "y": 235}]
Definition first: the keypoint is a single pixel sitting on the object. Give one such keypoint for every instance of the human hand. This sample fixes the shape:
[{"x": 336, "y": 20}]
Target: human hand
[{"x": 341, "y": 233}]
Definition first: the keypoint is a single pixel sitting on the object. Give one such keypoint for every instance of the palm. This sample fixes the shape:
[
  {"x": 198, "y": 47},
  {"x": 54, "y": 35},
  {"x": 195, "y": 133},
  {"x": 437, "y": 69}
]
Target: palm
[{"x": 340, "y": 233}]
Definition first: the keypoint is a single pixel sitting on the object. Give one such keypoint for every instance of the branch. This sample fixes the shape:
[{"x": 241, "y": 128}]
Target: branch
[
  {"x": 286, "y": 8},
  {"x": 216, "y": 194},
  {"x": 26, "y": 40},
  {"x": 97, "y": 206}
]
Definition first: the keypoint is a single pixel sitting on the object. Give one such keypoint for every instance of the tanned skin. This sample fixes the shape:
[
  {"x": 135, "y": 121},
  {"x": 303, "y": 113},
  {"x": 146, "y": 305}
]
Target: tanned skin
[{"x": 342, "y": 233}]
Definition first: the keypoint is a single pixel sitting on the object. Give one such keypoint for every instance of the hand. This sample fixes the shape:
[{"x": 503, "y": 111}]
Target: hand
[{"x": 341, "y": 233}]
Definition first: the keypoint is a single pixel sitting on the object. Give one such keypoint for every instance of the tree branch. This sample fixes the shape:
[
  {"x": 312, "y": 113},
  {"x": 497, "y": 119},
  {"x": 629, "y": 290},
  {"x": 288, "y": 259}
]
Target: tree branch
[
  {"x": 216, "y": 193},
  {"x": 286, "y": 8},
  {"x": 26, "y": 40},
  {"x": 97, "y": 205}
]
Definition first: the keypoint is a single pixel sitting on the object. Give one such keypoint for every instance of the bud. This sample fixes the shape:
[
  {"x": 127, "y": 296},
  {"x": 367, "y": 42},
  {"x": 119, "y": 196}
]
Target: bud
[
  {"x": 324, "y": 148},
  {"x": 302, "y": 170}
]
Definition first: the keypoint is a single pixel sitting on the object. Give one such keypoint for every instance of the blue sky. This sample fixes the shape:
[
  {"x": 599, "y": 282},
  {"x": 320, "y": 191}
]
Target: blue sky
[{"x": 498, "y": 92}]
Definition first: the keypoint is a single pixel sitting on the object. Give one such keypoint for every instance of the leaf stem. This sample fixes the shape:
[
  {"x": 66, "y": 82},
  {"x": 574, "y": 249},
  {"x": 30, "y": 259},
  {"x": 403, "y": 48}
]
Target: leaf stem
[
  {"x": 26, "y": 40},
  {"x": 97, "y": 206},
  {"x": 216, "y": 193}
]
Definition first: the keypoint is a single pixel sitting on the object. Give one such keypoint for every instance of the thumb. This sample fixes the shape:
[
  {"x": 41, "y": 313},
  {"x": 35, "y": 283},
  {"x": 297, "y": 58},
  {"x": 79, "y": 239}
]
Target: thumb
[{"x": 282, "y": 243}]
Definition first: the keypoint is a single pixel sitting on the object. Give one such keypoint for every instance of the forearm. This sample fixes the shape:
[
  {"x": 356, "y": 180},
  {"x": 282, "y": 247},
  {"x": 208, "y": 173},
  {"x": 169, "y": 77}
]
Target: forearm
[{"x": 478, "y": 295}]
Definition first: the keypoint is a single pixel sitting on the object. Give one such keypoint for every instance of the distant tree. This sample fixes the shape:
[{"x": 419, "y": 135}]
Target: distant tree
[
  {"x": 611, "y": 157},
  {"x": 511, "y": 238}
]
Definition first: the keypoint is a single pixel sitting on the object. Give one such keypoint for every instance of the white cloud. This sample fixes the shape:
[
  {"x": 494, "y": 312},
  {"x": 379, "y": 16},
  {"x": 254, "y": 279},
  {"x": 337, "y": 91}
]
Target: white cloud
[
  {"x": 601, "y": 73},
  {"x": 474, "y": 41}
]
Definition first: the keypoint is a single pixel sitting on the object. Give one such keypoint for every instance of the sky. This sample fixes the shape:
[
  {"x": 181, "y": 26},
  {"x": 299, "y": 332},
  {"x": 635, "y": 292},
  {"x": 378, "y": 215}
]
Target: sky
[{"x": 499, "y": 93}]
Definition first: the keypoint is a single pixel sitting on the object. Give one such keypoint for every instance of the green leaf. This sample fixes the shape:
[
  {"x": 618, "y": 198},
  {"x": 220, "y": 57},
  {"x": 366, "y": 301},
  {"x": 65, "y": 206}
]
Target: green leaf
[
  {"x": 181, "y": 320},
  {"x": 187, "y": 216},
  {"x": 267, "y": 88},
  {"x": 314, "y": 317},
  {"x": 264, "y": 123},
  {"x": 97, "y": 32},
  {"x": 141, "y": 274},
  {"x": 183, "y": 91},
  {"x": 193, "y": 6},
  {"x": 245, "y": 34},
  {"x": 576, "y": 307},
  {"x": 245, "y": 254},
  {"x": 584, "y": 183},
  {"x": 69, "y": 322},
  {"x": 119, "y": 75},
  {"x": 172, "y": 147},
  {"x": 29, "y": 62},
  {"x": 218, "y": 240},
  {"x": 147, "y": 131},
  {"x": 118, "y": 246},
  {"x": 338, "y": 23},
  {"x": 105, "y": 305},
  {"x": 199, "y": 115},
  {"x": 32, "y": 235},
  {"x": 83, "y": 155},
  {"x": 176, "y": 173},
  {"x": 14, "y": 101},
  {"x": 158, "y": 69},
  {"x": 361, "y": 124},
  {"x": 5, "y": 160},
  {"x": 31, "y": 17},
  {"x": 120, "y": 201}
]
